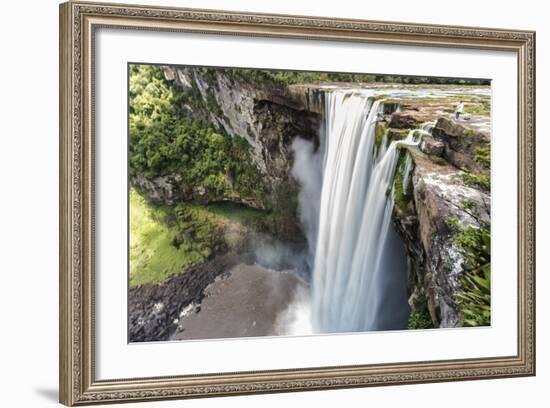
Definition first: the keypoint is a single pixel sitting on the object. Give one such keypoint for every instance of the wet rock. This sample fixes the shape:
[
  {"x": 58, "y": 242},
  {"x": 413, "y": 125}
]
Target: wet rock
[{"x": 305, "y": 98}]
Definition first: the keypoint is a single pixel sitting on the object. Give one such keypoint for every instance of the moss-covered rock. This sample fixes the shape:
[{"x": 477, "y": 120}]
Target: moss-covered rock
[
  {"x": 402, "y": 185},
  {"x": 380, "y": 135},
  {"x": 420, "y": 317},
  {"x": 397, "y": 134}
]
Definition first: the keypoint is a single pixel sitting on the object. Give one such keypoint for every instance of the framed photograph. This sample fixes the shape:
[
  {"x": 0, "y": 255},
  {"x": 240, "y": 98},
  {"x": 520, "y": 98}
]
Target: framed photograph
[{"x": 256, "y": 203}]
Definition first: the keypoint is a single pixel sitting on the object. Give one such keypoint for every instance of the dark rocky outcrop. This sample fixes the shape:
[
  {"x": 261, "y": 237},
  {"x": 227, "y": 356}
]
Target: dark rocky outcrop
[
  {"x": 462, "y": 145},
  {"x": 432, "y": 147},
  {"x": 154, "y": 310},
  {"x": 276, "y": 126}
]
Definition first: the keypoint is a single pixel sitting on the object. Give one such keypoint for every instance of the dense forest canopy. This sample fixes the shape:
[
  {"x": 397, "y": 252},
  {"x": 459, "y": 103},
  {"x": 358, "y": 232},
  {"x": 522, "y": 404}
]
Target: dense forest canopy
[{"x": 294, "y": 77}]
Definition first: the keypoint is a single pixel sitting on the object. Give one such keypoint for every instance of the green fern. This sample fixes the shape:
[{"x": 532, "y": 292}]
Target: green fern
[{"x": 474, "y": 298}]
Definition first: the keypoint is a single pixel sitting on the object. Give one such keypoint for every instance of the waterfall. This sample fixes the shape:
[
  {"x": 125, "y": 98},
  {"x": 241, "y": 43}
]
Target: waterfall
[{"x": 359, "y": 280}]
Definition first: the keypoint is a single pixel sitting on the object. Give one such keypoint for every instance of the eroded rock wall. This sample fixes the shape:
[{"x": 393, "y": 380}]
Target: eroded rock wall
[
  {"x": 269, "y": 117},
  {"x": 439, "y": 205}
]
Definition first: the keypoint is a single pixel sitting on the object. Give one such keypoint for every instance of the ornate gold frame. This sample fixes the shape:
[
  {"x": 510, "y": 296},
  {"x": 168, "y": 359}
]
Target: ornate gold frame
[{"x": 78, "y": 20}]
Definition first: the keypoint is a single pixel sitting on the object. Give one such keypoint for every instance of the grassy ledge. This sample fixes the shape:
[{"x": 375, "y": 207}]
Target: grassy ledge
[{"x": 162, "y": 246}]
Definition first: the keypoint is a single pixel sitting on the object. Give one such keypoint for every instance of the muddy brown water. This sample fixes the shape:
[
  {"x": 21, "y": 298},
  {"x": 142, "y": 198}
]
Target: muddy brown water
[{"x": 243, "y": 303}]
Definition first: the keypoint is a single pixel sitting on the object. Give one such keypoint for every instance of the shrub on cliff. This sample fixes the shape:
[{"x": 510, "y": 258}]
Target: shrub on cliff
[
  {"x": 165, "y": 139},
  {"x": 474, "y": 298}
]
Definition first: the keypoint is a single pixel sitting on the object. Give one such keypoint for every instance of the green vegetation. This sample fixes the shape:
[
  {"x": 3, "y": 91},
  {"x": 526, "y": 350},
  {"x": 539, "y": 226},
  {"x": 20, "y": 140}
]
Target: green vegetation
[
  {"x": 468, "y": 132},
  {"x": 420, "y": 315},
  {"x": 475, "y": 105},
  {"x": 295, "y": 77},
  {"x": 474, "y": 244},
  {"x": 210, "y": 174},
  {"x": 235, "y": 212},
  {"x": 280, "y": 221},
  {"x": 165, "y": 243},
  {"x": 483, "y": 156},
  {"x": 402, "y": 196},
  {"x": 380, "y": 131},
  {"x": 283, "y": 78},
  {"x": 168, "y": 240},
  {"x": 474, "y": 298},
  {"x": 479, "y": 106},
  {"x": 453, "y": 223},
  {"x": 476, "y": 181},
  {"x": 471, "y": 207},
  {"x": 164, "y": 140},
  {"x": 397, "y": 134}
]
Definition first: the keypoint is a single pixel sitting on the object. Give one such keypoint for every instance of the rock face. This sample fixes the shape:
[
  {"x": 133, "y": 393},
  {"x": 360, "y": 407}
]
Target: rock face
[
  {"x": 275, "y": 127},
  {"x": 268, "y": 116},
  {"x": 154, "y": 310},
  {"x": 432, "y": 147},
  {"x": 160, "y": 190},
  {"x": 440, "y": 203},
  {"x": 462, "y": 145},
  {"x": 437, "y": 205}
]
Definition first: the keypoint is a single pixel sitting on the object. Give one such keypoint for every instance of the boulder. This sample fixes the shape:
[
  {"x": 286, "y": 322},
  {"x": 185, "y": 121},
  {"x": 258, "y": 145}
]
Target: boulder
[
  {"x": 432, "y": 147},
  {"x": 161, "y": 190},
  {"x": 269, "y": 117}
]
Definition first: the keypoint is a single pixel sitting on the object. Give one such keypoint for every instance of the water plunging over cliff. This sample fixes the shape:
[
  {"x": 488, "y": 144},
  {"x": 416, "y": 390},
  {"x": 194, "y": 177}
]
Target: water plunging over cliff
[{"x": 359, "y": 280}]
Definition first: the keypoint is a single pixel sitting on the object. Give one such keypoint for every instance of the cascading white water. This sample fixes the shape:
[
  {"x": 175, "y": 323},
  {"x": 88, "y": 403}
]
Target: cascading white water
[{"x": 359, "y": 269}]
